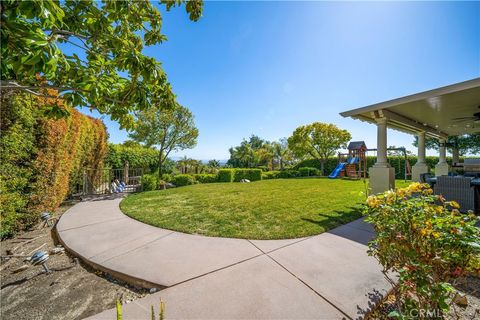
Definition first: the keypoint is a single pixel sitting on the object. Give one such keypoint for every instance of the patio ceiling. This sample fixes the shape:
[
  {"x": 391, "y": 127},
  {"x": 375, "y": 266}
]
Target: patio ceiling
[{"x": 432, "y": 111}]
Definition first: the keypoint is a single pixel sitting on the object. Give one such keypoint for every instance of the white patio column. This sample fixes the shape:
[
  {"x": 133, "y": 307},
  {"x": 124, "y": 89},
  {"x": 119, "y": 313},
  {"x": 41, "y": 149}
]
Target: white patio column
[
  {"x": 442, "y": 167},
  {"x": 381, "y": 175},
  {"x": 421, "y": 165},
  {"x": 382, "y": 160}
]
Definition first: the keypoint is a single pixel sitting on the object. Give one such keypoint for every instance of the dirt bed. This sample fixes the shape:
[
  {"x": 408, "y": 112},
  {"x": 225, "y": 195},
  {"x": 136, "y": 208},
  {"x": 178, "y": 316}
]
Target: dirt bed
[
  {"x": 468, "y": 289},
  {"x": 70, "y": 291}
]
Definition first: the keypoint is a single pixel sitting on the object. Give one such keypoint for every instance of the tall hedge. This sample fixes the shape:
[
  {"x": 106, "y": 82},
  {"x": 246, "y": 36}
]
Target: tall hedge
[
  {"x": 397, "y": 162},
  {"x": 17, "y": 142},
  {"x": 42, "y": 159},
  {"x": 137, "y": 157}
]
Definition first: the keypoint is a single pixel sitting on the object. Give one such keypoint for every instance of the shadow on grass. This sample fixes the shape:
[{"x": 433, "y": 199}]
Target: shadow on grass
[
  {"x": 343, "y": 224},
  {"x": 336, "y": 218}
]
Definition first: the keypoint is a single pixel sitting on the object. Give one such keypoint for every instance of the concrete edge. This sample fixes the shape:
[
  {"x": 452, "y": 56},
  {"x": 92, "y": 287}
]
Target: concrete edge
[{"x": 115, "y": 274}]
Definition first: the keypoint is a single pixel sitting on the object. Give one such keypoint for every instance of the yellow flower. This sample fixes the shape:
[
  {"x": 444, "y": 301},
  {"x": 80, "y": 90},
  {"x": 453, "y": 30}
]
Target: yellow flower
[
  {"x": 414, "y": 187},
  {"x": 427, "y": 191},
  {"x": 373, "y": 202},
  {"x": 402, "y": 192},
  {"x": 424, "y": 232},
  {"x": 436, "y": 235},
  {"x": 454, "y": 204},
  {"x": 390, "y": 196}
]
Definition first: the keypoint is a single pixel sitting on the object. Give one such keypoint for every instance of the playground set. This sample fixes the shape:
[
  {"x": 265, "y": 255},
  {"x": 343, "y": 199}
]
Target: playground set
[{"x": 354, "y": 163}]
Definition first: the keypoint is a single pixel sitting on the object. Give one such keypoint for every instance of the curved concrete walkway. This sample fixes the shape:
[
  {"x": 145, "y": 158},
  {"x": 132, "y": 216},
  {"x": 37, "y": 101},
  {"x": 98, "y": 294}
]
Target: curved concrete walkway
[{"x": 328, "y": 276}]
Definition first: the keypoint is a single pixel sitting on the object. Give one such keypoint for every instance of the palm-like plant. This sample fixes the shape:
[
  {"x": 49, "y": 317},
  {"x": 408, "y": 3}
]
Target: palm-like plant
[
  {"x": 246, "y": 154},
  {"x": 214, "y": 164},
  {"x": 266, "y": 155},
  {"x": 182, "y": 164},
  {"x": 281, "y": 152}
]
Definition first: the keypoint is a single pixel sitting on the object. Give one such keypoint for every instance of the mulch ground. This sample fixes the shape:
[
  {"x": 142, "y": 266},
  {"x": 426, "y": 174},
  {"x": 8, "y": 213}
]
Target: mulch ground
[
  {"x": 467, "y": 286},
  {"x": 70, "y": 291}
]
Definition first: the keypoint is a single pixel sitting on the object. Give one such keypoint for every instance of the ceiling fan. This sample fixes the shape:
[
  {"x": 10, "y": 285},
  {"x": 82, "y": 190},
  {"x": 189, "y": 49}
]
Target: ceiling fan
[{"x": 475, "y": 117}]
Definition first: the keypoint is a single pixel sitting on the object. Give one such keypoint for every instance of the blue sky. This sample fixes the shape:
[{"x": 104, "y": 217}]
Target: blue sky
[{"x": 265, "y": 68}]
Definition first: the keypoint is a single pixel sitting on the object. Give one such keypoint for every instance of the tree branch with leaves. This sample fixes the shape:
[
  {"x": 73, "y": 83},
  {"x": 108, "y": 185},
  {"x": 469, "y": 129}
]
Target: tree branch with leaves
[{"x": 106, "y": 71}]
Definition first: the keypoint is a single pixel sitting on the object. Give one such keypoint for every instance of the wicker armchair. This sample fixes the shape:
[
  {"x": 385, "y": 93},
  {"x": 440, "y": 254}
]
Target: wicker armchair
[{"x": 457, "y": 189}]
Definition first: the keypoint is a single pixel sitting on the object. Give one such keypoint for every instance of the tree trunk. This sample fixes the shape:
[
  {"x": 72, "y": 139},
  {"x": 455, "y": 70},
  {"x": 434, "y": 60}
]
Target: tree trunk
[
  {"x": 160, "y": 169},
  {"x": 455, "y": 155},
  {"x": 281, "y": 164},
  {"x": 322, "y": 167},
  {"x": 160, "y": 166}
]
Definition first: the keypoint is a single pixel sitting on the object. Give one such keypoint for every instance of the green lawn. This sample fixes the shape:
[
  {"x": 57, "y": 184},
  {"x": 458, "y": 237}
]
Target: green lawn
[{"x": 268, "y": 209}]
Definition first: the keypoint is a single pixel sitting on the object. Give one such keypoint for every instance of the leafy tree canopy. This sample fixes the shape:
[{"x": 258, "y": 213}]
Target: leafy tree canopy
[
  {"x": 257, "y": 152},
  {"x": 170, "y": 130},
  {"x": 244, "y": 155},
  {"x": 469, "y": 143},
  {"x": 318, "y": 140},
  {"x": 107, "y": 70}
]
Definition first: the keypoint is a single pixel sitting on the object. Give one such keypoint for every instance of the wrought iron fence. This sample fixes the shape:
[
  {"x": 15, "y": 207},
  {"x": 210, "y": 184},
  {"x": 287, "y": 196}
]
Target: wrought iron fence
[{"x": 107, "y": 181}]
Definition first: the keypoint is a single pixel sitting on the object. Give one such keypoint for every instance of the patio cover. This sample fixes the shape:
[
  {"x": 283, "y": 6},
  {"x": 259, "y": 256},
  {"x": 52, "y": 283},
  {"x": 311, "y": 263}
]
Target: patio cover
[{"x": 431, "y": 111}]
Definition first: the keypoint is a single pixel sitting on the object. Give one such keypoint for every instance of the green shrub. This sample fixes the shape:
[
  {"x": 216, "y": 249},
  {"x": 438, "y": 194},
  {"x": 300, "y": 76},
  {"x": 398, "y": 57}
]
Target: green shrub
[
  {"x": 225, "y": 175},
  {"x": 288, "y": 174},
  {"x": 149, "y": 182},
  {"x": 426, "y": 241},
  {"x": 205, "y": 177},
  {"x": 263, "y": 168},
  {"x": 249, "y": 174},
  {"x": 167, "y": 177},
  {"x": 308, "y": 172},
  {"x": 270, "y": 175},
  {"x": 181, "y": 180}
]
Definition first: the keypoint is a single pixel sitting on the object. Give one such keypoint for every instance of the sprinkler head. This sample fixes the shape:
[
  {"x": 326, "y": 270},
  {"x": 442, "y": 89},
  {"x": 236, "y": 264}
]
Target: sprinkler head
[{"x": 40, "y": 258}]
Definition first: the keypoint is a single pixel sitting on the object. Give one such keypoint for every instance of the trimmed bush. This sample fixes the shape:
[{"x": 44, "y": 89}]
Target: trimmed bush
[
  {"x": 288, "y": 174},
  {"x": 270, "y": 175},
  {"x": 205, "y": 177},
  {"x": 181, "y": 180},
  {"x": 308, "y": 172},
  {"x": 249, "y": 174},
  {"x": 225, "y": 175},
  {"x": 149, "y": 182}
]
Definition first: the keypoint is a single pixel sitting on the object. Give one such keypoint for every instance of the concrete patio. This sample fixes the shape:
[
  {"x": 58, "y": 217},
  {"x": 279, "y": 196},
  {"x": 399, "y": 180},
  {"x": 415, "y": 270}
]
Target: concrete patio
[{"x": 328, "y": 276}]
